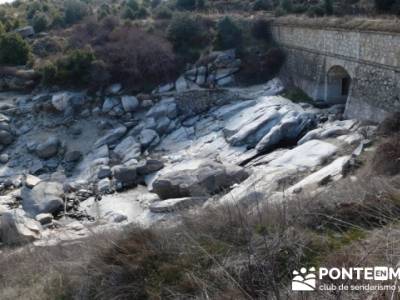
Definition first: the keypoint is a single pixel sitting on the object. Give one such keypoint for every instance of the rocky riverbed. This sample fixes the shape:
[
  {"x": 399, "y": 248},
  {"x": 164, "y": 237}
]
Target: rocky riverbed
[{"x": 73, "y": 164}]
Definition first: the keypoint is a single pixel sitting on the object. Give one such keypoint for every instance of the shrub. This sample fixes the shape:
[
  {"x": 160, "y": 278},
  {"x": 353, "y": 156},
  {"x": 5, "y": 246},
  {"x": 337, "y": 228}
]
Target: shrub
[
  {"x": 262, "y": 5},
  {"x": 261, "y": 30},
  {"x": 316, "y": 11},
  {"x": 40, "y": 22},
  {"x": 45, "y": 47},
  {"x": 163, "y": 12},
  {"x": 287, "y": 5},
  {"x": 384, "y": 5},
  {"x": 137, "y": 58},
  {"x": 186, "y": 4},
  {"x": 328, "y": 7},
  {"x": 75, "y": 11},
  {"x": 14, "y": 50},
  {"x": 229, "y": 35},
  {"x": 71, "y": 69},
  {"x": 261, "y": 67},
  {"x": 184, "y": 32},
  {"x": 299, "y": 8},
  {"x": 386, "y": 160},
  {"x": 391, "y": 125}
]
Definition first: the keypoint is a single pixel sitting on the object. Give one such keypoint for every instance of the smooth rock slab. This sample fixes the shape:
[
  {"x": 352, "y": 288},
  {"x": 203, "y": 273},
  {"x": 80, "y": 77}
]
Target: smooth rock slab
[
  {"x": 172, "y": 205},
  {"x": 331, "y": 172},
  {"x": 308, "y": 155}
]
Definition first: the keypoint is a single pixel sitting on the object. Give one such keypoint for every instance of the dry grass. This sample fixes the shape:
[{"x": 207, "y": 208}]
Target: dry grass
[{"x": 381, "y": 24}]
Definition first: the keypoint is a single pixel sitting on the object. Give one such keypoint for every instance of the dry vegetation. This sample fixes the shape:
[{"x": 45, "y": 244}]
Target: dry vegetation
[
  {"x": 381, "y": 24},
  {"x": 230, "y": 252}
]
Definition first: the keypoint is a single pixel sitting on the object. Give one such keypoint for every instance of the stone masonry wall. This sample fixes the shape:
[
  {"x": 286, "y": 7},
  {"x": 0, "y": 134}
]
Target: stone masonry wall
[{"x": 372, "y": 60}]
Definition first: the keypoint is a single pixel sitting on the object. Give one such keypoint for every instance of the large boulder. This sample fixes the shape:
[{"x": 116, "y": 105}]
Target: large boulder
[
  {"x": 208, "y": 178},
  {"x": 165, "y": 108},
  {"x": 268, "y": 123},
  {"x": 44, "y": 197},
  {"x": 125, "y": 176},
  {"x": 149, "y": 166},
  {"x": 148, "y": 137},
  {"x": 16, "y": 228},
  {"x": 128, "y": 149},
  {"x": 49, "y": 148}
]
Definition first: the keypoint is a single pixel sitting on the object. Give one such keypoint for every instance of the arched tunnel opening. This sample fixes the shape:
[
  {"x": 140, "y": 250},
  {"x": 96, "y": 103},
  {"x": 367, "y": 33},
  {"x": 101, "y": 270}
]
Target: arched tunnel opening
[{"x": 338, "y": 83}]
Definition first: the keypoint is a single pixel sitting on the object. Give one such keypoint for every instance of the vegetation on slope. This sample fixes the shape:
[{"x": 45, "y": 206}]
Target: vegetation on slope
[{"x": 227, "y": 252}]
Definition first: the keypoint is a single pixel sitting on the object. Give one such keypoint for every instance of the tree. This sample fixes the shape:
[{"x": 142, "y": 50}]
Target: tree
[
  {"x": 14, "y": 50},
  {"x": 384, "y": 5},
  {"x": 186, "y": 4},
  {"x": 184, "y": 32},
  {"x": 229, "y": 35},
  {"x": 286, "y": 5},
  {"x": 75, "y": 11},
  {"x": 40, "y": 22},
  {"x": 328, "y": 6}
]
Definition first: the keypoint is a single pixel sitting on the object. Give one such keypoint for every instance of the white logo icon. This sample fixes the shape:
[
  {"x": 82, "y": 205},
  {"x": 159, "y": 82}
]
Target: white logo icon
[{"x": 305, "y": 280}]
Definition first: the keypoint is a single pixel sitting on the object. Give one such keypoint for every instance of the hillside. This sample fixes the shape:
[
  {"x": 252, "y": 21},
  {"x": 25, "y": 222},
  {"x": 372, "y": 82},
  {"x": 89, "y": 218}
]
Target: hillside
[{"x": 199, "y": 149}]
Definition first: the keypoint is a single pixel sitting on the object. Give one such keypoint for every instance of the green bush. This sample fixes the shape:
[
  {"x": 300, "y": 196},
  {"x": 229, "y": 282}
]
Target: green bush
[
  {"x": 299, "y": 8},
  {"x": 186, "y": 4},
  {"x": 287, "y": 5},
  {"x": 162, "y": 12},
  {"x": 184, "y": 32},
  {"x": 40, "y": 22},
  {"x": 229, "y": 35},
  {"x": 328, "y": 6},
  {"x": 71, "y": 69},
  {"x": 261, "y": 30},
  {"x": 75, "y": 11},
  {"x": 262, "y": 5},
  {"x": 384, "y": 5},
  {"x": 134, "y": 11},
  {"x": 14, "y": 50},
  {"x": 316, "y": 11}
]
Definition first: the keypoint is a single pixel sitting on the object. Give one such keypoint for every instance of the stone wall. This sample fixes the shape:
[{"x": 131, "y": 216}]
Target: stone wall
[{"x": 372, "y": 59}]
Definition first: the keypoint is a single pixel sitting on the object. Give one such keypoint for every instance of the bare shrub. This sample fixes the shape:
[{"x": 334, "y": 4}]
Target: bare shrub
[
  {"x": 390, "y": 125},
  {"x": 132, "y": 56},
  {"x": 386, "y": 160}
]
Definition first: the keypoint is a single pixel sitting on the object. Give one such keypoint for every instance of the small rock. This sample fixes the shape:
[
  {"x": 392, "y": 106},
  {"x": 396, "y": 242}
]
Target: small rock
[
  {"x": 4, "y": 158},
  {"x": 73, "y": 156},
  {"x": 31, "y": 181},
  {"x": 148, "y": 137},
  {"x": 44, "y": 218},
  {"x": 104, "y": 172},
  {"x": 129, "y": 103},
  {"x": 114, "y": 89},
  {"x": 49, "y": 148},
  {"x": 104, "y": 186},
  {"x": 6, "y": 137}
]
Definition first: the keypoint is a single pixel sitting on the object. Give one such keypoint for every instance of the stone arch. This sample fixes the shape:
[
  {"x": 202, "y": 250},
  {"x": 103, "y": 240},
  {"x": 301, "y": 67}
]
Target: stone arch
[{"x": 338, "y": 84}]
